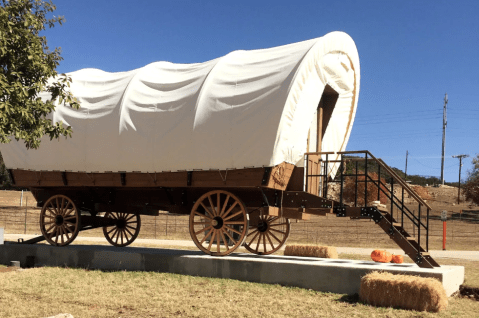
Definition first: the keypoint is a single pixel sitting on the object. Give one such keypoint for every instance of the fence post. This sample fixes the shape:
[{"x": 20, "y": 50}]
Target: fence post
[{"x": 26, "y": 207}]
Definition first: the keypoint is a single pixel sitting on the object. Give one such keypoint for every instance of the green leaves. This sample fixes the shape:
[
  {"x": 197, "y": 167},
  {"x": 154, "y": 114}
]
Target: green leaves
[{"x": 26, "y": 65}]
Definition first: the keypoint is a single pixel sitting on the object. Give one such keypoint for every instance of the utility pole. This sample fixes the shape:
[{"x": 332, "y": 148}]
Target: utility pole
[
  {"x": 444, "y": 124},
  {"x": 405, "y": 170},
  {"x": 460, "y": 165}
]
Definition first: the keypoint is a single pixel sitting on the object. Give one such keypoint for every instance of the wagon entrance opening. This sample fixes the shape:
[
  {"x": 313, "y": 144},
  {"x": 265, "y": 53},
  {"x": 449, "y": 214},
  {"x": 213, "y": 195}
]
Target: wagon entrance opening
[{"x": 321, "y": 119}]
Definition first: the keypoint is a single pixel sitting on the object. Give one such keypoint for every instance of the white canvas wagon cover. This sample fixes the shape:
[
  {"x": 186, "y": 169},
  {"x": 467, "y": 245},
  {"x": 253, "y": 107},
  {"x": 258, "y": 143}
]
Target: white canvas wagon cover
[{"x": 245, "y": 109}]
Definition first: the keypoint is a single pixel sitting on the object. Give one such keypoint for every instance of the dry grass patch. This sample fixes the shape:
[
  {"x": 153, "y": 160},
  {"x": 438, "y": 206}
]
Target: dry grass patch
[
  {"x": 43, "y": 292},
  {"x": 311, "y": 251},
  {"x": 403, "y": 291}
]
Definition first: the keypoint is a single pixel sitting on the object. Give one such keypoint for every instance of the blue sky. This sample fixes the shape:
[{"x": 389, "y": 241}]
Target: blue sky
[{"x": 411, "y": 54}]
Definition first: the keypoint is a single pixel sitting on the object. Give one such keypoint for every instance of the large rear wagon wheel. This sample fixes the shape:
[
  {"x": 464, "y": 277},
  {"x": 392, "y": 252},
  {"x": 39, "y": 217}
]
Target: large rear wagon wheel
[
  {"x": 267, "y": 234},
  {"x": 125, "y": 229},
  {"x": 59, "y": 220},
  {"x": 218, "y": 223}
]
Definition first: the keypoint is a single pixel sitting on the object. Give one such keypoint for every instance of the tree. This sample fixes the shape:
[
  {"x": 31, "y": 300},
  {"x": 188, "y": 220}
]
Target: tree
[
  {"x": 471, "y": 187},
  {"x": 27, "y": 68}
]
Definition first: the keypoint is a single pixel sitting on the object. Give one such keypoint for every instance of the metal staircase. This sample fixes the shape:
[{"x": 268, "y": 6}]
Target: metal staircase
[{"x": 362, "y": 183}]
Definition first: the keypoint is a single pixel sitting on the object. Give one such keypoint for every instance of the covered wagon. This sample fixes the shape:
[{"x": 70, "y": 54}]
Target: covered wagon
[{"x": 223, "y": 141}]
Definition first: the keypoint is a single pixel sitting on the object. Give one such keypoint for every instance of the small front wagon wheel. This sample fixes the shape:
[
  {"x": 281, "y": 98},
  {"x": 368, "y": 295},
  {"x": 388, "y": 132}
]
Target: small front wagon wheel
[
  {"x": 124, "y": 229},
  {"x": 59, "y": 220},
  {"x": 218, "y": 222}
]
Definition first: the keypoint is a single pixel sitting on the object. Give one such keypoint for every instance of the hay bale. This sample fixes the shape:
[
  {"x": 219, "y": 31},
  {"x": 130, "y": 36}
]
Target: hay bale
[
  {"x": 311, "y": 251},
  {"x": 404, "y": 291}
]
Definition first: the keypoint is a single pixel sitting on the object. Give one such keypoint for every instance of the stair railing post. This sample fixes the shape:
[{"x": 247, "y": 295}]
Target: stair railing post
[
  {"x": 427, "y": 232},
  {"x": 341, "y": 181},
  {"x": 356, "y": 186},
  {"x": 392, "y": 197},
  {"x": 419, "y": 226},
  {"x": 379, "y": 183},
  {"x": 366, "y": 180},
  {"x": 306, "y": 158},
  {"x": 326, "y": 176},
  {"x": 402, "y": 208}
]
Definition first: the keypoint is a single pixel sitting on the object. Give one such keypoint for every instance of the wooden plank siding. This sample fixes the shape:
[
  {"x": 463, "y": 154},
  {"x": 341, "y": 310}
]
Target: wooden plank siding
[{"x": 277, "y": 178}]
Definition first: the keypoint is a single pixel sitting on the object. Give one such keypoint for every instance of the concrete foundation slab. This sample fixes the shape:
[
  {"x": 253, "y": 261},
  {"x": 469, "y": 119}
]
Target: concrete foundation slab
[{"x": 329, "y": 275}]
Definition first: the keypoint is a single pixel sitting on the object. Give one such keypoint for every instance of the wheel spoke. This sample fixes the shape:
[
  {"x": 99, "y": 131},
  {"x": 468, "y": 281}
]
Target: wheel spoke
[
  {"x": 68, "y": 204},
  {"x": 218, "y": 242},
  {"x": 69, "y": 212},
  {"x": 232, "y": 216},
  {"x": 254, "y": 238},
  {"x": 279, "y": 224},
  {"x": 272, "y": 219},
  {"x": 51, "y": 227},
  {"x": 224, "y": 238},
  {"x": 51, "y": 211},
  {"x": 56, "y": 233},
  {"x": 201, "y": 223},
  {"x": 284, "y": 233},
  {"x": 211, "y": 205},
  {"x": 131, "y": 217},
  {"x": 264, "y": 242},
  {"x": 270, "y": 242},
  {"x": 49, "y": 216},
  {"x": 230, "y": 209},
  {"x": 233, "y": 230},
  {"x": 231, "y": 238},
  {"x": 56, "y": 208},
  {"x": 112, "y": 229},
  {"x": 66, "y": 233},
  {"x": 113, "y": 216},
  {"x": 70, "y": 217},
  {"x": 204, "y": 229},
  {"x": 207, "y": 210},
  {"x": 257, "y": 244},
  {"x": 61, "y": 207},
  {"x": 203, "y": 215},
  {"x": 218, "y": 204},
  {"x": 277, "y": 239},
  {"x": 121, "y": 237},
  {"x": 61, "y": 234},
  {"x": 68, "y": 228},
  {"x": 127, "y": 230},
  {"x": 131, "y": 227},
  {"x": 249, "y": 234},
  {"x": 212, "y": 239},
  {"x": 207, "y": 235},
  {"x": 48, "y": 222},
  {"x": 224, "y": 205}
]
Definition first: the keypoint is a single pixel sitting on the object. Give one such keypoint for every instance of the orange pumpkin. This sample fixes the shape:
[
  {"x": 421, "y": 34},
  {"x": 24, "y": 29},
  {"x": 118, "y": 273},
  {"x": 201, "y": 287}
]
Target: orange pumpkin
[
  {"x": 381, "y": 256},
  {"x": 398, "y": 259}
]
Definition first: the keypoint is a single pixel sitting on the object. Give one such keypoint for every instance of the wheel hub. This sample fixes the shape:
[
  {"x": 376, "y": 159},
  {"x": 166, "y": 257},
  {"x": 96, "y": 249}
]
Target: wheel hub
[
  {"x": 262, "y": 226},
  {"x": 217, "y": 222},
  {"x": 121, "y": 223},
  {"x": 58, "y": 220}
]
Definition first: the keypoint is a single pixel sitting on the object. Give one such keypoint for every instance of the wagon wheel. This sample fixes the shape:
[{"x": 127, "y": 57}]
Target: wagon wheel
[
  {"x": 218, "y": 222},
  {"x": 267, "y": 234},
  {"x": 124, "y": 230},
  {"x": 59, "y": 220}
]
